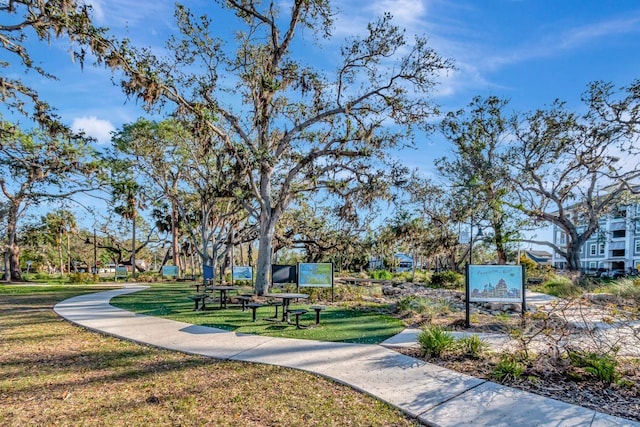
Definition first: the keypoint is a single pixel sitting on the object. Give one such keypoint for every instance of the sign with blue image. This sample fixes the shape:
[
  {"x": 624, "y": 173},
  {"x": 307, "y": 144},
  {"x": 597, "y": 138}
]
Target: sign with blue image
[
  {"x": 496, "y": 283},
  {"x": 242, "y": 272}
]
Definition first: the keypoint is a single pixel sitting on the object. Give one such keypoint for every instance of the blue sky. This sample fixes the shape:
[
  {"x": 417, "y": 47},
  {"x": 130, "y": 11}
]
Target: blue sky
[{"x": 528, "y": 51}]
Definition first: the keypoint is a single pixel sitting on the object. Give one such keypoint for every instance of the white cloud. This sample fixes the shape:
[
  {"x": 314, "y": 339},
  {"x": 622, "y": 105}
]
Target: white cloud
[{"x": 95, "y": 127}]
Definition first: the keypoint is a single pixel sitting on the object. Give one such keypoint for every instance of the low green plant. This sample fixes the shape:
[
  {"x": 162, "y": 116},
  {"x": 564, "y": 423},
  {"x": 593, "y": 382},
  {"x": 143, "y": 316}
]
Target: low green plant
[
  {"x": 381, "y": 274},
  {"x": 472, "y": 346},
  {"x": 601, "y": 366},
  {"x": 447, "y": 280},
  {"x": 561, "y": 288},
  {"x": 41, "y": 275},
  {"x": 83, "y": 278},
  {"x": 509, "y": 367},
  {"x": 435, "y": 340}
]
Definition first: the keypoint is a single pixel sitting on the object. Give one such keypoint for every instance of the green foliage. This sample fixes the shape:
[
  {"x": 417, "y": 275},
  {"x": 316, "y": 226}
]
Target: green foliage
[
  {"x": 560, "y": 287},
  {"x": 447, "y": 280},
  {"x": 435, "y": 340},
  {"x": 381, "y": 274},
  {"x": 529, "y": 264},
  {"x": 472, "y": 346},
  {"x": 147, "y": 276},
  {"x": 41, "y": 275},
  {"x": 601, "y": 366},
  {"x": 509, "y": 367},
  {"x": 83, "y": 278},
  {"x": 625, "y": 288}
]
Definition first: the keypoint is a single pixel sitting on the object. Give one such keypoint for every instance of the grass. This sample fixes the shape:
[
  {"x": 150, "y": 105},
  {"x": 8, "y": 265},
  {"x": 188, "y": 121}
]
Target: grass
[
  {"x": 337, "y": 323},
  {"x": 54, "y": 373}
]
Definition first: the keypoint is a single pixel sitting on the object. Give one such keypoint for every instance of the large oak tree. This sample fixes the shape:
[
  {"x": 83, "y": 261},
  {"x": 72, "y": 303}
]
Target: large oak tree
[
  {"x": 292, "y": 128},
  {"x": 570, "y": 169}
]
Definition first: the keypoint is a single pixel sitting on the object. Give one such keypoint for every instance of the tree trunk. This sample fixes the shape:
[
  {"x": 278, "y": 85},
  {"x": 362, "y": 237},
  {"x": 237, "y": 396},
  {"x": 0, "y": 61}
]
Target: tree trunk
[
  {"x": 133, "y": 248},
  {"x": 175, "y": 248},
  {"x": 60, "y": 258},
  {"x": 14, "y": 263},
  {"x": 265, "y": 248}
]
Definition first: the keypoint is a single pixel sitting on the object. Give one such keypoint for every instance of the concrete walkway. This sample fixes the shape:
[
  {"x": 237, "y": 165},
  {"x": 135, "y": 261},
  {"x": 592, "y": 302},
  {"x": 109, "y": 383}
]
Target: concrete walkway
[{"x": 434, "y": 395}]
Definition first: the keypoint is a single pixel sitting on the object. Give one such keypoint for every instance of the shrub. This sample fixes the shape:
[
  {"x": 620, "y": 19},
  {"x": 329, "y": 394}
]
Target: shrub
[
  {"x": 147, "y": 276},
  {"x": 561, "y": 288},
  {"x": 381, "y": 274},
  {"x": 434, "y": 341},
  {"x": 447, "y": 280},
  {"x": 41, "y": 275},
  {"x": 472, "y": 346},
  {"x": 509, "y": 367},
  {"x": 83, "y": 278},
  {"x": 601, "y": 366}
]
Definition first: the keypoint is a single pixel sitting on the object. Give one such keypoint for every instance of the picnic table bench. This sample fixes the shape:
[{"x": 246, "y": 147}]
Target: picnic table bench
[
  {"x": 197, "y": 299},
  {"x": 254, "y": 306},
  {"x": 297, "y": 313}
]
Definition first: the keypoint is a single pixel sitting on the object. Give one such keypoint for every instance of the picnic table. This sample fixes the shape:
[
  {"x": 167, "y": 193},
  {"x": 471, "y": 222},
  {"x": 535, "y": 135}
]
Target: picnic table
[
  {"x": 286, "y": 301},
  {"x": 223, "y": 293}
]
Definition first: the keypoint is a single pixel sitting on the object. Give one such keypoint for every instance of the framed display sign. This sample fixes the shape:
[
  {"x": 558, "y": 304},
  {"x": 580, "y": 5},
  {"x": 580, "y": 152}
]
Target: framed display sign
[
  {"x": 283, "y": 273},
  {"x": 169, "y": 271},
  {"x": 319, "y": 275},
  {"x": 496, "y": 283},
  {"x": 499, "y": 283},
  {"x": 207, "y": 272},
  {"x": 242, "y": 272}
]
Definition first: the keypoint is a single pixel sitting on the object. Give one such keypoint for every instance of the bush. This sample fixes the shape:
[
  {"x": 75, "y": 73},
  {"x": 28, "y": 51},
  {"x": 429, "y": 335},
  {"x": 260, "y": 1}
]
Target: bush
[
  {"x": 447, "y": 280},
  {"x": 434, "y": 341},
  {"x": 147, "y": 276},
  {"x": 83, "y": 278},
  {"x": 472, "y": 346},
  {"x": 41, "y": 275},
  {"x": 601, "y": 366},
  {"x": 561, "y": 288},
  {"x": 381, "y": 274},
  {"x": 509, "y": 367}
]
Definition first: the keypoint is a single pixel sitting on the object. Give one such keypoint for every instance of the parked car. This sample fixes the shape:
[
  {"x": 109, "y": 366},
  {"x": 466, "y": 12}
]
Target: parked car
[{"x": 613, "y": 274}]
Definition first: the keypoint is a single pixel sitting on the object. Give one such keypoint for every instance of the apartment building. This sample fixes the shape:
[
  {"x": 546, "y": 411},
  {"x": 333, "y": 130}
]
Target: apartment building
[{"x": 614, "y": 246}]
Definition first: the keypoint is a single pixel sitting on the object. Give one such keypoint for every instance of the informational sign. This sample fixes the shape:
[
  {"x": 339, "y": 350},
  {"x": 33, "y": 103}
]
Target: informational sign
[
  {"x": 319, "y": 275},
  {"x": 207, "y": 272},
  {"x": 242, "y": 272},
  {"x": 496, "y": 283},
  {"x": 169, "y": 271},
  {"x": 283, "y": 273},
  {"x": 121, "y": 272}
]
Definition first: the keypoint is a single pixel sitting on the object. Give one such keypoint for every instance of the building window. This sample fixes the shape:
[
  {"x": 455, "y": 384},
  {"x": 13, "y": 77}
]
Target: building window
[
  {"x": 593, "y": 265},
  {"x": 563, "y": 238},
  {"x": 619, "y": 234},
  {"x": 637, "y": 250},
  {"x": 601, "y": 249},
  {"x": 617, "y": 253},
  {"x": 592, "y": 249}
]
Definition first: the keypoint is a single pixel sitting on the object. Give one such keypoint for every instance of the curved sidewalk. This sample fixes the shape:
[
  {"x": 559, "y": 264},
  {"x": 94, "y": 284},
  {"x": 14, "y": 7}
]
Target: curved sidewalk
[{"x": 434, "y": 395}]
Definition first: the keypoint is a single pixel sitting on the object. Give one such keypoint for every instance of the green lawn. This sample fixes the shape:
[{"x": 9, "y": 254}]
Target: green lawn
[{"x": 336, "y": 323}]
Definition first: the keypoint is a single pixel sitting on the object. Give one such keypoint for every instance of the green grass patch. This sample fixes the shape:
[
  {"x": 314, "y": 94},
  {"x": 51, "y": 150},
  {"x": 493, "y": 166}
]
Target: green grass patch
[{"x": 336, "y": 323}]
